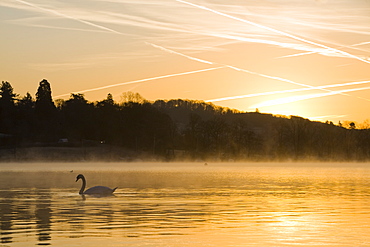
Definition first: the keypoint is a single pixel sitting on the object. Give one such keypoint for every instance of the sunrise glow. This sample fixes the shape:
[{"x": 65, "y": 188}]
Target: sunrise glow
[{"x": 305, "y": 58}]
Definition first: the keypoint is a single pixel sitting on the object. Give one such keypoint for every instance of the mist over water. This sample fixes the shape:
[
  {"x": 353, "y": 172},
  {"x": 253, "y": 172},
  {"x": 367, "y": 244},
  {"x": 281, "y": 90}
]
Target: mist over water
[{"x": 186, "y": 204}]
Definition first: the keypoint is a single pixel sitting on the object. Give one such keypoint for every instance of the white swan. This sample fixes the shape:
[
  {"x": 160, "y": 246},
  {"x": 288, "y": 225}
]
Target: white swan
[{"x": 96, "y": 190}]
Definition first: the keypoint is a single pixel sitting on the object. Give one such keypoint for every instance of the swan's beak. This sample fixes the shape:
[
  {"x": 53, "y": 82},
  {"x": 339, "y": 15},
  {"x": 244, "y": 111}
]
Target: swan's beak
[{"x": 77, "y": 179}]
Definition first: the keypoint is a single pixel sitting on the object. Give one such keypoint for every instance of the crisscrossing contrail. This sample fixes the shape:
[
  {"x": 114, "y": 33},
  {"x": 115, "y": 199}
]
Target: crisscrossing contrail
[
  {"x": 54, "y": 12},
  {"x": 57, "y": 13},
  {"x": 143, "y": 80},
  {"x": 292, "y": 91},
  {"x": 275, "y": 31}
]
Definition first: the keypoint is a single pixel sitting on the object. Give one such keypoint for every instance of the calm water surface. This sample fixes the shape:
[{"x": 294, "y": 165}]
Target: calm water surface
[{"x": 186, "y": 205}]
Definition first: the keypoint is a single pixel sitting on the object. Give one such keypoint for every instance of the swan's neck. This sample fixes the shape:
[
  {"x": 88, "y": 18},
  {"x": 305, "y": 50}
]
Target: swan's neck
[{"x": 83, "y": 185}]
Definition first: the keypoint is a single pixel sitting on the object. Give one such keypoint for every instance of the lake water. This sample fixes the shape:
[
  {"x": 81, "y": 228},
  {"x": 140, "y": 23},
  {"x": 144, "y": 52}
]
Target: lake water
[{"x": 165, "y": 204}]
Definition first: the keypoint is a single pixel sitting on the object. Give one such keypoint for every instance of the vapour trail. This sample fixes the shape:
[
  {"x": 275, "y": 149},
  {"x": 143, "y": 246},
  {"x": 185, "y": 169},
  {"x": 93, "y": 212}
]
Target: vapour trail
[
  {"x": 272, "y": 77},
  {"x": 116, "y": 32},
  {"x": 109, "y": 30},
  {"x": 233, "y": 67},
  {"x": 304, "y": 97},
  {"x": 274, "y": 30},
  {"x": 288, "y": 91},
  {"x": 247, "y": 71},
  {"x": 240, "y": 70},
  {"x": 143, "y": 80},
  {"x": 363, "y": 43},
  {"x": 298, "y": 47},
  {"x": 162, "y": 48},
  {"x": 298, "y": 54},
  {"x": 69, "y": 17},
  {"x": 178, "y": 53},
  {"x": 313, "y": 52},
  {"x": 322, "y": 118}
]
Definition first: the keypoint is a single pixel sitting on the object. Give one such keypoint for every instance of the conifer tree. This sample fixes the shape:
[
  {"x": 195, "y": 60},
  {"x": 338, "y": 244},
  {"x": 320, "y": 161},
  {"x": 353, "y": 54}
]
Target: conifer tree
[
  {"x": 45, "y": 113},
  {"x": 7, "y": 107},
  {"x": 44, "y": 107}
]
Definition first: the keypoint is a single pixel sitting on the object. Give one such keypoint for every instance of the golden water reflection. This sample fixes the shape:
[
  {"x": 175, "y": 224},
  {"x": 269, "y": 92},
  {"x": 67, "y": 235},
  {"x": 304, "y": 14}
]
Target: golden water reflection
[{"x": 253, "y": 206}]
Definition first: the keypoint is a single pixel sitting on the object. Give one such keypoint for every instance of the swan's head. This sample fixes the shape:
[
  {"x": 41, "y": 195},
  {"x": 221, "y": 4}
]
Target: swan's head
[{"x": 80, "y": 176}]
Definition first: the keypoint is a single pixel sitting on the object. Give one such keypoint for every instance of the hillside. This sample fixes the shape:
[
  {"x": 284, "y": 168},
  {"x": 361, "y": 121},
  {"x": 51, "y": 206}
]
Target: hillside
[{"x": 164, "y": 130}]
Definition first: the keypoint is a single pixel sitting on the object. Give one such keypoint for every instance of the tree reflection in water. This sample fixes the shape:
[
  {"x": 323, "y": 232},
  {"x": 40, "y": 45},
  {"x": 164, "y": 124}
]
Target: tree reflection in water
[
  {"x": 43, "y": 218},
  {"x": 6, "y": 210},
  {"x": 268, "y": 206}
]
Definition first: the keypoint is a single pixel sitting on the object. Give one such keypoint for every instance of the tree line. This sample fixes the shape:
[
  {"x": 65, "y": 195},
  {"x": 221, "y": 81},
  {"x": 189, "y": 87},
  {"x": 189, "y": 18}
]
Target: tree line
[{"x": 172, "y": 129}]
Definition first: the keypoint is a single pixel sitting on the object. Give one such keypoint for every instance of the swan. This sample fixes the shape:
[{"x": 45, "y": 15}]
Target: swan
[{"x": 96, "y": 190}]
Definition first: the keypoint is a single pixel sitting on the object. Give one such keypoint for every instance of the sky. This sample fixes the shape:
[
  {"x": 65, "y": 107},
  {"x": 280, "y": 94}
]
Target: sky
[{"x": 309, "y": 58}]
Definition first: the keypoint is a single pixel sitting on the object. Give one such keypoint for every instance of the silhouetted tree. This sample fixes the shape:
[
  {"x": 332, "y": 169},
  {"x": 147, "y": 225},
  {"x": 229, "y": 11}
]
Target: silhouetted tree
[
  {"x": 7, "y": 108},
  {"x": 128, "y": 97},
  {"x": 27, "y": 102},
  {"x": 7, "y": 94},
  {"x": 44, "y": 106},
  {"x": 26, "y": 117},
  {"x": 202, "y": 129},
  {"x": 213, "y": 137},
  {"x": 46, "y": 113},
  {"x": 145, "y": 128},
  {"x": 292, "y": 138},
  {"x": 192, "y": 135},
  {"x": 242, "y": 141},
  {"x": 108, "y": 121},
  {"x": 364, "y": 144},
  {"x": 78, "y": 118}
]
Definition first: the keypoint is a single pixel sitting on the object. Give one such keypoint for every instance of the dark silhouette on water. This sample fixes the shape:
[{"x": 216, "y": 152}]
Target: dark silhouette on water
[{"x": 96, "y": 190}]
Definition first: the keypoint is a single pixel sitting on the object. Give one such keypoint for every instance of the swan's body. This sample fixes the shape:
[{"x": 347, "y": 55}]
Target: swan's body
[{"x": 96, "y": 190}]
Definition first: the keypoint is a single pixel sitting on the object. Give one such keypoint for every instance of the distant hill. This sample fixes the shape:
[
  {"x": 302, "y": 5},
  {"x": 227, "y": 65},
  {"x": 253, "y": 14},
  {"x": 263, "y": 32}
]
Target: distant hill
[
  {"x": 230, "y": 134},
  {"x": 175, "y": 129}
]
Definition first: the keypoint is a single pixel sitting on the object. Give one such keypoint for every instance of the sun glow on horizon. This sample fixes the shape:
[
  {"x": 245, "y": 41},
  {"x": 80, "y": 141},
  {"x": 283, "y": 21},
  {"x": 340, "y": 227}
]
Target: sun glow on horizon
[{"x": 272, "y": 55}]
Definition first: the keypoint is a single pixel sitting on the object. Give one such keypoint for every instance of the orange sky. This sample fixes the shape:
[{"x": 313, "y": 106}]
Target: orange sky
[{"x": 307, "y": 58}]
